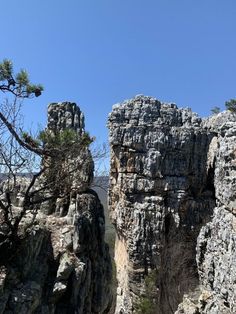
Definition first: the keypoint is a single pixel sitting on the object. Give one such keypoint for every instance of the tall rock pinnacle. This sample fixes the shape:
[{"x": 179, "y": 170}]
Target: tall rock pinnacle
[{"x": 170, "y": 172}]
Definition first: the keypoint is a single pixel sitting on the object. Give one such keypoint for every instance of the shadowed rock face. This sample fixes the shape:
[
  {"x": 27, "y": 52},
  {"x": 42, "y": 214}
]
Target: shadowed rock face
[
  {"x": 62, "y": 266},
  {"x": 170, "y": 172},
  {"x": 216, "y": 245}
]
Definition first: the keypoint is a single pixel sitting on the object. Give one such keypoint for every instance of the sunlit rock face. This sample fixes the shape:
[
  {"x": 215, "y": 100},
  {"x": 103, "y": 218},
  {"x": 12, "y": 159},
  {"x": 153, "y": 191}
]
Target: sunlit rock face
[
  {"x": 64, "y": 116},
  {"x": 62, "y": 265},
  {"x": 171, "y": 174}
]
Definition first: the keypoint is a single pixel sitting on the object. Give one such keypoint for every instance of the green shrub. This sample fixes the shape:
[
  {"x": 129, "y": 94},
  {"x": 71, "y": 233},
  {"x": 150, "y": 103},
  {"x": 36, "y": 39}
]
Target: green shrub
[
  {"x": 67, "y": 140},
  {"x": 146, "y": 306},
  {"x": 147, "y": 303},
  {"x": 231, "y": 105},
  {"x": 215, "y": 110}
]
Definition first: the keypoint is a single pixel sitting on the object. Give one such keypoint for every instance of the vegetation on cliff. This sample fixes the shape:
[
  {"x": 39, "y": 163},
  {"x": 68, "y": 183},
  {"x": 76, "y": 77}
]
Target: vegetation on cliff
[
  {"x": 231, "y": 105},
  {"x": 44, "y": 158}
]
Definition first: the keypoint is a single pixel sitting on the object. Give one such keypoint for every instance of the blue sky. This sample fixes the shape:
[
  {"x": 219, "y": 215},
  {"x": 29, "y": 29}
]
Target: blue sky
[{"x": 100, "y": 52}]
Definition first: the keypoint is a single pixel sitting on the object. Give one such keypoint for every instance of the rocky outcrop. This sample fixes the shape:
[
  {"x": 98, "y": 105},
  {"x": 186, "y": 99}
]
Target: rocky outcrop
[
  {"x": 216, "y": 245},
  {"x": 62, "y": 264},
  {"x": 172, "y": 199},
  {"x": 79, "y": 165}
]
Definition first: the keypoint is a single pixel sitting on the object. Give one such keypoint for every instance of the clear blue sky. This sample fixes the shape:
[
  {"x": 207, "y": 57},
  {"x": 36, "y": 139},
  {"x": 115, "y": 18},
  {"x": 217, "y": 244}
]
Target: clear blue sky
[{"x": 100, "y": 52}]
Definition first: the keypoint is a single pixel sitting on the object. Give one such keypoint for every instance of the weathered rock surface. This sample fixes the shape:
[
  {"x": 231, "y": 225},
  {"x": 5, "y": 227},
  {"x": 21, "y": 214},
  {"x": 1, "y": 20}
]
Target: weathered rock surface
[
  {"x": 80, "y": 166},
  {"x": 62, "y": 265},
  {"x": 216, "y": 245},
  {"x": 172, "y": 201}
]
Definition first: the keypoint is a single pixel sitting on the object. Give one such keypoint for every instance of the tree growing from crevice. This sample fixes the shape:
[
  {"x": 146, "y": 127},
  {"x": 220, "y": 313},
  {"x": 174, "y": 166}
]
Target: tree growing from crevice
[
  {"x": 147, "y": 304},
  {"x": 38, "y": 163}
]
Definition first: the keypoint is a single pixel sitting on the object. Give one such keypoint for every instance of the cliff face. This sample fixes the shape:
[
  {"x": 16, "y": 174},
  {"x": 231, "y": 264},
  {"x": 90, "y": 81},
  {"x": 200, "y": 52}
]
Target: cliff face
[
  {"x": 172, "y": 193},
  {"x": 79, "y": 165},
  {"x": 62, "y": 265},
  {"x": 216, "y": 244}
]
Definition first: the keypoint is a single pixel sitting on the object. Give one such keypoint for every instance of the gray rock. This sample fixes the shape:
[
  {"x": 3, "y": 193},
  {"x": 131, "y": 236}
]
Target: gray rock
[
  {"x": 172, "y": 193},
  {"x": 62, "y": 265}
]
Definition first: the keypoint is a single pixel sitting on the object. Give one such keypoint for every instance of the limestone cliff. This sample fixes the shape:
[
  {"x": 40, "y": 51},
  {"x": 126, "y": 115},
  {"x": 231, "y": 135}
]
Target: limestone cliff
[
  {"x": 172, "y": 199},
  {"x": 216, "y": 244},
  {"x": 62, "y": 264}
]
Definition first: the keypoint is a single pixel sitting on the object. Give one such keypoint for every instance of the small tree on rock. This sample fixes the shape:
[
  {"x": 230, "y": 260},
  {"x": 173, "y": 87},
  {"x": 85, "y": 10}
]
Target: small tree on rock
[
  {"x": 231, "y": 105},
  {"x": 20, "y": 153},
  {"x": 215, "y": 110}
]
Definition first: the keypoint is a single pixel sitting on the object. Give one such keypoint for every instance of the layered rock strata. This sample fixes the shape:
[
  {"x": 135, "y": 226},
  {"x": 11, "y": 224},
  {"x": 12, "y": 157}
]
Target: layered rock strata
[
  {"x": 216, "y": 243},
  {"x": 62, "y": 263},
  {"x": 170, "y": 172},
  {"x": 79, "y": 165}
]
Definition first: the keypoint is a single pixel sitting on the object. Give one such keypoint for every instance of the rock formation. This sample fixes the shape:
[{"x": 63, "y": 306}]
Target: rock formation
[
  {"x": 80, "y": 166},
  {"x": 216, "y": 243},
  {"x": 62, "y": 264},
  {"x": 172, "y": 201}
]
